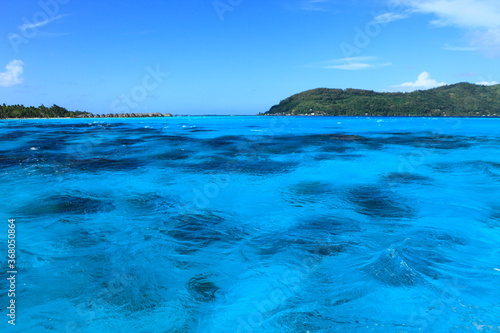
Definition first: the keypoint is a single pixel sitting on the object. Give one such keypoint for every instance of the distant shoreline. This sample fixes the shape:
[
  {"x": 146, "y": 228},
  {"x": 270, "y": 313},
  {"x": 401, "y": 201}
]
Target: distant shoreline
[{"x": 261, "y": 115}]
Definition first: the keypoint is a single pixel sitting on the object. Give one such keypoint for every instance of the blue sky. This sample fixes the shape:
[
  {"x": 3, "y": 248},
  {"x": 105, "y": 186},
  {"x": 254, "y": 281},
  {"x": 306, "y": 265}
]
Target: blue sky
[{"x": 236, "y": 56}]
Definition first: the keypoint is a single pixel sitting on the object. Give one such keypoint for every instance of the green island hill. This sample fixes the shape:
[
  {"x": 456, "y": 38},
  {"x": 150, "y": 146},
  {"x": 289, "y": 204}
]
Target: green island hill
[{"x": 457, "y": 100}]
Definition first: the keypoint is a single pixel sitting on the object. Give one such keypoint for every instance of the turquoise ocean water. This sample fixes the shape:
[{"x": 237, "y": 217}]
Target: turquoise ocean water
[{"x": 252, "y": 224}]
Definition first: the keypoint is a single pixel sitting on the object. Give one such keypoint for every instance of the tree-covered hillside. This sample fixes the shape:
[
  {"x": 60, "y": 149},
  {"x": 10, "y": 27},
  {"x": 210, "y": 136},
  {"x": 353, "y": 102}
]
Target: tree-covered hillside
[
  {"x": 21, "y": 111},
  {"x": 459, "y": 100}
]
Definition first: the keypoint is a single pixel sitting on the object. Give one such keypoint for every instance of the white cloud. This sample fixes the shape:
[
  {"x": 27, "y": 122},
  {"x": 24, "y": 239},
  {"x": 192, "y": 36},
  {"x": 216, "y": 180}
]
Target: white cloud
[
  {"x": 423, "y": 82},
  {"x": 488, "y": 83},
  {"x": 488, "y": 41},
  {"x": 351, "y": 64},
  {"x": 12, "y": 75},
  {"x": 35, "y": 25},
  {"x": 389, "y": 17},
  {"x": 463, "y": 13},
  {"x": 314, "y": 5},
  {"x": 480, "y": 18},
  {"x": 354, "y": 59},
  {"x": 449, "y": 47},
  {"x": 356, "y": 66}
]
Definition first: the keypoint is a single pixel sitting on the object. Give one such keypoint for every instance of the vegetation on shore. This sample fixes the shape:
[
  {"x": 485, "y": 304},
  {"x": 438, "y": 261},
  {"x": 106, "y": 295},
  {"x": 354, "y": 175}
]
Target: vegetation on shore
[
  {"x": 21, "y": 111},
  {"x": 457, "y": 100},
  {"x": 55, "y": 111}
]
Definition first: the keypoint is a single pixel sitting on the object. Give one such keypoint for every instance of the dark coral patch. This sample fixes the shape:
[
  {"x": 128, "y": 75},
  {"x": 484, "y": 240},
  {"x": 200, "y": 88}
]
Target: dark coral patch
[
  {"x": 477, "y": 167},
  {"x": 77, "y": 125},
  {"x": 196, "y": 231},
  {"x": 202, "y": 289},
  {"x": 311, "y": 188},
  {"x": 307, "y": 192},
  {"x": 330, "y": 224},
  {"x": 324, "y": 157},
  {"x": 68, "y": 204},
  {"x": 225, "y": 142},
  {"x": 492, "y": 220},
  {"x": 428, "y": 141},
  {"x": 376, "y": 202},
  {"x": 170, "y": 139},
  {"x": 299, "y": 241},
  {"x": 7, "y": 162},
  {"x": 405, "y": 178},
  {"x": 151, "y": 202},
  {"x": 251, "y": 166},
  {"x": 127, "y": 142},
  {"x": 55, "y": 143},
  {"x": 174, "y": 155},
  {"x": 85, "y": 239},
  {"x": 105, "y": 164},
  {"x": 14, "y": 135},
  {"x": 15, "y": 158},
  {"x": 201, "y": 230}
]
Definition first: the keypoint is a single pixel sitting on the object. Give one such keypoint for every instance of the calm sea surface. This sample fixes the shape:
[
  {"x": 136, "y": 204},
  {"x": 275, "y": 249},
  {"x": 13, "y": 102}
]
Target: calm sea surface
[{"x": 252, "y": 224}]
